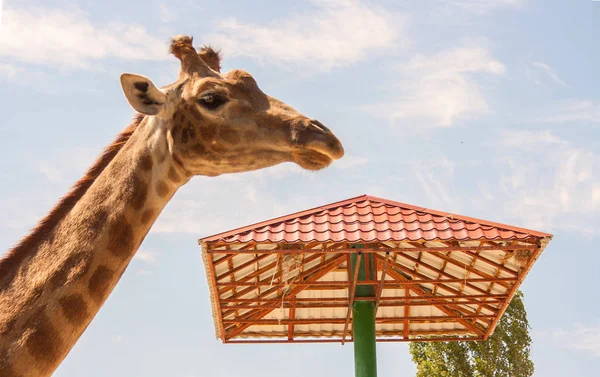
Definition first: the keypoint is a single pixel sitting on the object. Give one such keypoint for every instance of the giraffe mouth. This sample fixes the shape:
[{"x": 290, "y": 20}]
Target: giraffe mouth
[
  {"x": 319, "y": 147},
  {"x": 311, "y": 160}
]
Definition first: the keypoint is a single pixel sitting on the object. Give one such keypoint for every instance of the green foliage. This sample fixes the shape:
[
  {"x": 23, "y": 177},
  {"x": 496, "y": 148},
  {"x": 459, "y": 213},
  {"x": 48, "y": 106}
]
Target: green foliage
[{"x": 506, "y": 353}]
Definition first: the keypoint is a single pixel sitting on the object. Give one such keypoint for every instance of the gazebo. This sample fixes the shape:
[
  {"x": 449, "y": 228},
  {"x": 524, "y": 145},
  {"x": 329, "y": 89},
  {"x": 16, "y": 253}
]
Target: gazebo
[{"x": 366, "y": 270}]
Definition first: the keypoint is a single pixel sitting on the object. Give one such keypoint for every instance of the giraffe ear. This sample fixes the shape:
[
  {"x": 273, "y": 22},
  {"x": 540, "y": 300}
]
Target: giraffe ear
[{"x": 142, "y": 94}]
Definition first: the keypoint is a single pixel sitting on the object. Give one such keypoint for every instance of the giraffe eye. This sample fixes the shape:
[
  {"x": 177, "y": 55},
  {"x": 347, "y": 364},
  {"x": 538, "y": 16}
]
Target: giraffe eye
[{"x": 212, "y": 101}]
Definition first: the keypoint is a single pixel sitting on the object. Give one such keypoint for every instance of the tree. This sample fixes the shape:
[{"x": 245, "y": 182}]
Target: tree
[{"x": 506, "y": 353}]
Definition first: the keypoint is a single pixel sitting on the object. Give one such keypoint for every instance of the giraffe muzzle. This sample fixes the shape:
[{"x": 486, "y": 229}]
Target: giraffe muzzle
[{"x": 320, "y": 139}]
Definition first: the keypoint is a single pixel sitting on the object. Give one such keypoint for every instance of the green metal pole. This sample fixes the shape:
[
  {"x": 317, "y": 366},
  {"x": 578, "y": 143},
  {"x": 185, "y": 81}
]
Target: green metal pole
[
  {"x": 363, "y": 322},
  {"x": 365, "y": 354}
]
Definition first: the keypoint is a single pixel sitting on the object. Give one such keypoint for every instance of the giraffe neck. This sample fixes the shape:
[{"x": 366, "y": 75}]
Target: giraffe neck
[{"x": 52, "y": 295}]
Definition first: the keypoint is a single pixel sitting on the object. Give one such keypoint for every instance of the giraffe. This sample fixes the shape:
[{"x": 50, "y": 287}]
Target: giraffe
[{"x": 207, "y": 123}]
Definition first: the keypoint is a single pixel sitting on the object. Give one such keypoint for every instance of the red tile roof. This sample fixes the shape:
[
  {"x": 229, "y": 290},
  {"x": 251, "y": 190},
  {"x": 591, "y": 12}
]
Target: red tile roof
[{"x": 367, "y": 218}]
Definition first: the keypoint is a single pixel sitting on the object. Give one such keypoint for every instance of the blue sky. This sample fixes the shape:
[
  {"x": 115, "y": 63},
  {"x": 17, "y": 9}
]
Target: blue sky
[{"x": 488, "y": 108}]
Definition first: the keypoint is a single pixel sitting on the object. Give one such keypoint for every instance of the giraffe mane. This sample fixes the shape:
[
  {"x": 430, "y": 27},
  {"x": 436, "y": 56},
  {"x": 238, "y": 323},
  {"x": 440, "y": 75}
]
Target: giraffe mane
[{"x": 41, "y": 231}]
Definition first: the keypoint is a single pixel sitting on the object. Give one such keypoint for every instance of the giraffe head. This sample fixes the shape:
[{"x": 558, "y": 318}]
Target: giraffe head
[{"x": 220, "y": 123}]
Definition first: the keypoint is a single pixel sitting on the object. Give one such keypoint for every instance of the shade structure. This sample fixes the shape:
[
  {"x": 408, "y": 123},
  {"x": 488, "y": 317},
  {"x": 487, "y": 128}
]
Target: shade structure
[{"x": 430, "y": 275}]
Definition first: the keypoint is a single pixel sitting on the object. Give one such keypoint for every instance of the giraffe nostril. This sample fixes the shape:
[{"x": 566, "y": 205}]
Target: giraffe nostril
[{"x": 319, "y": 125}]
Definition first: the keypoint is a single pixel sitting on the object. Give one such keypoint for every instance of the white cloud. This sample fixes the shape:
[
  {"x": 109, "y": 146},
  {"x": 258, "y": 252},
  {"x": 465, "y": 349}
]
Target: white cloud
[
  {"x": 184, "y": 215},
  {"x": 526, "y": 138},
  {"x": 67, "y": 164},
  {"x": 24, "y": 213},
  {"x": 436, "y": 177},
  {"x": 438, "y": 89},
  {"x": 574, "y": 111},
  {"x": 166, "y": 14},
  {"x": 145, "y": 256},
  {"x": 350, "y": 162},
  {"x": 66, "y": 38},
  {"x": 142, "y": 272},
  {"x": 337, "y": 33},
  {"x": 482, "y": 6},
  {"x": 8, "y": 71},
  {"x": 580, "y": 337},
  {"x": 251, "y": 193},
  {"x": 551, "y": 183},
  {"x": 548, "y": 71}
]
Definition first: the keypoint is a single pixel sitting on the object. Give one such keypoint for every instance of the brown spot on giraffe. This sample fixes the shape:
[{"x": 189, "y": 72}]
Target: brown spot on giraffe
[
  {"x": 100, "y": 282},
  {"x": 42, "y": 340},
  {"x": 120, "y": 241},
  {"x": 146, "y": 163},
  {"x": 148, "y": 214},
  {"x": 173, "y": 176},
  {"x": 162, "y": 189},
  {"x": 74, "y": 308},
  {"x": 95, "y": 223},
  {"x": 133, "y": 190},
  {"x": 140, "y": 192},
  {"x": 72, "y": 269}
]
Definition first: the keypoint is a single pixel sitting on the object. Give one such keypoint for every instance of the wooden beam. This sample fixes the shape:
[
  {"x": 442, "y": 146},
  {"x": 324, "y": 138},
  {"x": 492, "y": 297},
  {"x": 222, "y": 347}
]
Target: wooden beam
[
  {"x": 381, "y": 281},
  {"x": 230, "y": 263},
  {"x": 341, "y": 321},
  {"x": 292, "y": 312},
  {"x": 379, "y": 340},
  {"x": 425, "y": 298},
  {"x": 377, "y": 250},
  {"x": 351, "y": 296},
  {"x": 388, "y": 284},
  {"x": 325, "y": 303},
  {"x": 292, "y": 318},
  {"x": 215, "y": 290},
  {"x": 223, "y": 259},
  {"x": 406, "y": 325},
  {"x": 338, "y": 334}
]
